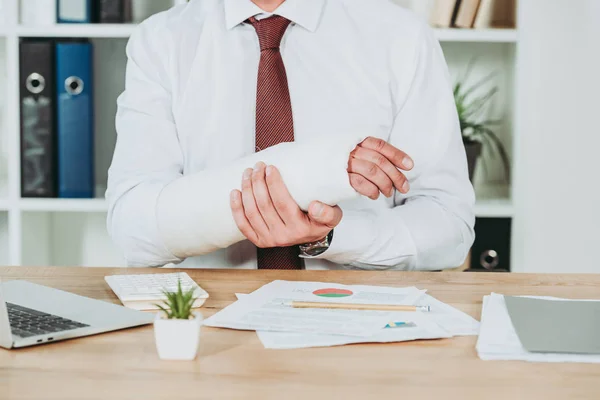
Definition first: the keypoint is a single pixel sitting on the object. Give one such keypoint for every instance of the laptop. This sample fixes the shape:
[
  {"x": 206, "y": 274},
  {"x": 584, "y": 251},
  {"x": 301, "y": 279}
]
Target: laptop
[{"x": 32, "y": 314}]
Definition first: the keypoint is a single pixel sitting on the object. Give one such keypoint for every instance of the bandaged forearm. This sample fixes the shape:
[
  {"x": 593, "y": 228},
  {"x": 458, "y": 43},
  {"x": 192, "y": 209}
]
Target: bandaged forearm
[{"x": 194, "y": 214}]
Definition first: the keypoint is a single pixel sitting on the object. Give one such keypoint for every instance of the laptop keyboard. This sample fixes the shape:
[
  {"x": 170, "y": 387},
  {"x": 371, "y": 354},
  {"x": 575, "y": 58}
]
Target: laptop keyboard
[{"x": 25, "y": 322}]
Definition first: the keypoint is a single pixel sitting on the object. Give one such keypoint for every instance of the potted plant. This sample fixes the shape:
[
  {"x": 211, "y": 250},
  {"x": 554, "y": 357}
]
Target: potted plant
[
  {"x": 476, "y": 131},
  {"x": 176, "y": 328}
]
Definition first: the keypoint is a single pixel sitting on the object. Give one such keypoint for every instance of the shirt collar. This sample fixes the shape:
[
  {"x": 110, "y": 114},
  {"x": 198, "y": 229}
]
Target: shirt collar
[{"x": 305, "y": 13}]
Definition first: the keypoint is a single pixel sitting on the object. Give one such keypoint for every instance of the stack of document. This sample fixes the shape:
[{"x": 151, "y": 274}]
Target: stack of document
[
  {"x": 268, "y": 311},
  {"x": 529, "y": 330}
]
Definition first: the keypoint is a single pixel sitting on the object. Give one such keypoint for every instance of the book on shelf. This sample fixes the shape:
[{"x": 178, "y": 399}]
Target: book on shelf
[
  {"x": 467, "y": 11},
  {"x": 478, "y": 14},
  {"x": 495, "y": 14},
  {"x": 444, "y": 12}
]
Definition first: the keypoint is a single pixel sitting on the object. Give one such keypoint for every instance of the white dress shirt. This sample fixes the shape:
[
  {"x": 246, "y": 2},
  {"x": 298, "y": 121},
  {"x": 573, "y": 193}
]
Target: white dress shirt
[{"x": 356, "y": 68}]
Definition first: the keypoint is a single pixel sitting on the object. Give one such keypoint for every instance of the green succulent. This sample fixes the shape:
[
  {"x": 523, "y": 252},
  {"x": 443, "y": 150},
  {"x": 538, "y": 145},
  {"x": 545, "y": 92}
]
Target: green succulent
[{"x": 178, "y": 305}]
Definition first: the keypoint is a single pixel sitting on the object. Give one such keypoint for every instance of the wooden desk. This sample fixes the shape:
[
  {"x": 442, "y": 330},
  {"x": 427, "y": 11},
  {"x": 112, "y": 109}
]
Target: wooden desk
[{"x": 234, "y": 364}]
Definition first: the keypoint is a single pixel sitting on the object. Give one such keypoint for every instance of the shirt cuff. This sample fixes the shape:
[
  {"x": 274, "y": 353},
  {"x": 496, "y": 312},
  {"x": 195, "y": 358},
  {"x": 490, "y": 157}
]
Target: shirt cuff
[
  {"x": 362, "y": 236},
  {"x": 352, "y": 238}
]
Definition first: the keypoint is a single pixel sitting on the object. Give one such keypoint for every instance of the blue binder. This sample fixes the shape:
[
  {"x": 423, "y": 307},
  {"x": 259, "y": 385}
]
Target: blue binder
[
  {"x": 74, "y": 11},
  {"x": 75, "y": 122}
]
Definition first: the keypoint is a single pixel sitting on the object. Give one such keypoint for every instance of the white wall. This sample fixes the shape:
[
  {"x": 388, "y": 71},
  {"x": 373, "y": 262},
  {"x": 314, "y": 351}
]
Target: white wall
[{"x": 557, "y": 185}]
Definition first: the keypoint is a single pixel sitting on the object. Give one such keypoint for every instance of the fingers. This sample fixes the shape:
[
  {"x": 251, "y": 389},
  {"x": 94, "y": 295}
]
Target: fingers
[
  {"x": 399, "y": 158},
  {"x": 284, "y": 203},
  {"x": 364, "y": 186},
  {"x": 263, "y": 198},
  {"x": 239, "y": 216},
  {"x": 373, "y": 173},
  {"x": 398, "y": 180},
  {"x": 324, "y": 214},
  {"x": 250, "y": 209}
]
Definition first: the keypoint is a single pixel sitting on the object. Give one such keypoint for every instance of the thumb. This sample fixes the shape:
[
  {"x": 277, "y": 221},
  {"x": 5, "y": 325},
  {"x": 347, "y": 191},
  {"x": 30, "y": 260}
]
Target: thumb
[{"x": 324, "y": 214}]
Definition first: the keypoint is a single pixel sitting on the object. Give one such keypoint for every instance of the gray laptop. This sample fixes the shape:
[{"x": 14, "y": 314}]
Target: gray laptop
[{"x": 32, "y": 314}]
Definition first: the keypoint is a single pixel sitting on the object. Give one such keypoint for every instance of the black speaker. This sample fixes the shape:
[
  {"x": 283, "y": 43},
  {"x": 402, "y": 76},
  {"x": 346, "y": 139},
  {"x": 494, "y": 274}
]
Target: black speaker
[{"x": 491, "y": 250}]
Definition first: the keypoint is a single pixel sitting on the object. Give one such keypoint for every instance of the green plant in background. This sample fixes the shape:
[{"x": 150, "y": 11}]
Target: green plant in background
[
  {"x": 470, "y": 105},
  {"x": 178, "y": 305}
]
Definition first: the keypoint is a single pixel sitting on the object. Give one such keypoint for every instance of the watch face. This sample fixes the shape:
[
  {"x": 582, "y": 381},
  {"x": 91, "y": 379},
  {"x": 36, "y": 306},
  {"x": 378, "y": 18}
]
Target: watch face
[
  {"x": 316, "y": 248},
  {"x": 315, "y": 251}
]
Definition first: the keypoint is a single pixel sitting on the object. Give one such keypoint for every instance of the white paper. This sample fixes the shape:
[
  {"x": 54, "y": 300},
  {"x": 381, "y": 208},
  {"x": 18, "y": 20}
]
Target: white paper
[
  {"x": 418, "y": 328},
  {"x": 422, "y": 326},
  {"x": 451, "y": 319},
  {"x": 498, "y": 339},
  {"x": 269, "y": 309}
]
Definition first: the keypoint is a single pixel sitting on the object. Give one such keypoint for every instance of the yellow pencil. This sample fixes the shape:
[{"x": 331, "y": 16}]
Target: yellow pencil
[{"x": 350, "y": 306}]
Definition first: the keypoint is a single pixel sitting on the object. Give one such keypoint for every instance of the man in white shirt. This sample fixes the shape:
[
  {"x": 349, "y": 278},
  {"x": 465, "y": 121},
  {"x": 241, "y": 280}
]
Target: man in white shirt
[{"x": 215, "y": 168}]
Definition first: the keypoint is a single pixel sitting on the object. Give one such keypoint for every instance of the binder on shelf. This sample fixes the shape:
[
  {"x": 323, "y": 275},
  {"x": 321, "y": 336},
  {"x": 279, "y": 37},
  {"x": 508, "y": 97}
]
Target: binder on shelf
[
  {"x": 111, "y": 11},
  {"x": 37, "y": 12},
  {"x": 491, "y": 250},
  {"x": 74, "y": 11},
  {"x": 38, "y": 127},
  {"x": 466, "y": 13},
  {"x": 75, "y": 135}
]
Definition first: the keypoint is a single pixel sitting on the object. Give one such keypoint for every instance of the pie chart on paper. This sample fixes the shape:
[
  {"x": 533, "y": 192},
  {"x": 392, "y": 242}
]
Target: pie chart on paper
[{"x": 333, "y": 292}]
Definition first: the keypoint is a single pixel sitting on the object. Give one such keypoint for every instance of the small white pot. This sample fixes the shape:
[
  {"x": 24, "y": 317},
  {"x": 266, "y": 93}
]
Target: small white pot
[{"x": 177, "y": 339}]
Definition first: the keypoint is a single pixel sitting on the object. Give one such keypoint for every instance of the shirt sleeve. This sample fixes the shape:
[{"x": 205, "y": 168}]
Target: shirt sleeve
[
  {"x": 431, "y": 227},
  {"x": 159, "y": 215}
]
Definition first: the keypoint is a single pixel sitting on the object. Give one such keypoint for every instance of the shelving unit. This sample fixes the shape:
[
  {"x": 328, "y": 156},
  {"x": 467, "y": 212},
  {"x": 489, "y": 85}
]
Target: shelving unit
[{"x": 33, "y": 231}]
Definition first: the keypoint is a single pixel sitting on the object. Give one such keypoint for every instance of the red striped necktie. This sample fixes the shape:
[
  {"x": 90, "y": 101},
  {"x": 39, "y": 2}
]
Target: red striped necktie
[{"x": 274, "y": 121}]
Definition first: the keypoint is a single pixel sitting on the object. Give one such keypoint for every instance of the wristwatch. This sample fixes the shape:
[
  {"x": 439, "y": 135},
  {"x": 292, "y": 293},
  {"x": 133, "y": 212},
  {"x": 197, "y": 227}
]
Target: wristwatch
[{"x": 316, "y": 248}]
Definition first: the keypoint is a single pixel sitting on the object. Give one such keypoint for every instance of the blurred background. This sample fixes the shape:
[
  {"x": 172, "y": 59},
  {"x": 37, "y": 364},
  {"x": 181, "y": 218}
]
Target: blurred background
[{"x": 526, "y": 84}]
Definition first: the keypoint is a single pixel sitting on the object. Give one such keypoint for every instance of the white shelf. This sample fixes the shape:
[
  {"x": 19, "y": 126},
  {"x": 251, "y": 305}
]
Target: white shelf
[
  {"x": 125, "y": 30},
  {"x": 78, "y": 30},
  {"x": 494, "y": 208},
  {"x": 4, "y": 205},
  {"x": 63, "y": 205},
  {"x": 477, "y": 35}
]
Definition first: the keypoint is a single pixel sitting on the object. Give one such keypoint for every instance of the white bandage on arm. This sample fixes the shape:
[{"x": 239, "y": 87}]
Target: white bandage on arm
[{"x": 194, "y": 214}]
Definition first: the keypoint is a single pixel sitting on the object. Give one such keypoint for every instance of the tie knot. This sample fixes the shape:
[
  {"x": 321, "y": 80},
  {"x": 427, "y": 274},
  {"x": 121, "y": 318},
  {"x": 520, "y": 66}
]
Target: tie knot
[{"x": 270, "y": 31}]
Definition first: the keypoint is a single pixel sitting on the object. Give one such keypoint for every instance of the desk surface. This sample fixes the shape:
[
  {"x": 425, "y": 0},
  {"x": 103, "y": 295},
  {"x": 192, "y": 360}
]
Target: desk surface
[{"x": 234, "y": 364}]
